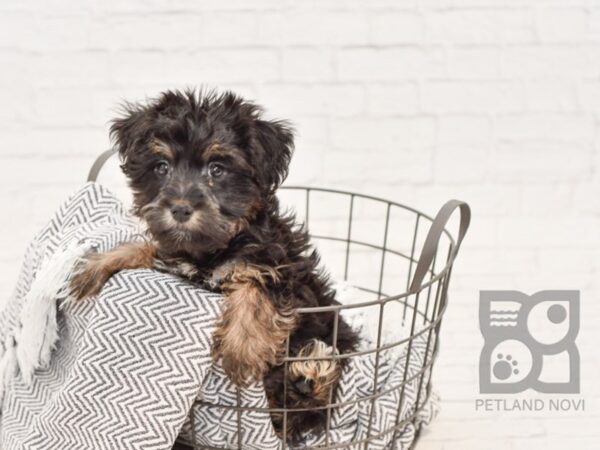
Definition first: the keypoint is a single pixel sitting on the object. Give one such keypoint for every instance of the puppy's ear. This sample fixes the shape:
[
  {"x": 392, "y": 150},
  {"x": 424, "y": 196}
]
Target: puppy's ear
[
  {"x": 127, "y": 130},
  {"x": 277, "y": 140}
]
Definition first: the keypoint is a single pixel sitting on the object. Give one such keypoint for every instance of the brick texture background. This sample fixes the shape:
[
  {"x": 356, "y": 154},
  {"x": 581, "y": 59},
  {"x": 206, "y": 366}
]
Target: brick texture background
[{"x": 496, "y": 102}]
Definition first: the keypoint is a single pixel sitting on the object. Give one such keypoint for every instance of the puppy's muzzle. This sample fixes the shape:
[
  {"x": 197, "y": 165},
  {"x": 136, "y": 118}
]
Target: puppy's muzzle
[{"x": 181, "y": 212}]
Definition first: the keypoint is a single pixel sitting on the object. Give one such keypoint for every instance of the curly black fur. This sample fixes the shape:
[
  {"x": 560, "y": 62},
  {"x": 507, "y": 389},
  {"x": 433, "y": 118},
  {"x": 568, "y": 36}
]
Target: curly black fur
[{"x": 215, "y": 158}]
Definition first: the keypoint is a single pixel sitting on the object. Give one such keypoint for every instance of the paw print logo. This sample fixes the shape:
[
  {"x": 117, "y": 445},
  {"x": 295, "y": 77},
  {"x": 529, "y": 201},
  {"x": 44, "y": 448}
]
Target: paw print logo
[
  {"x": 505, "y": 367},
  {"x": 521, "y": 334}
]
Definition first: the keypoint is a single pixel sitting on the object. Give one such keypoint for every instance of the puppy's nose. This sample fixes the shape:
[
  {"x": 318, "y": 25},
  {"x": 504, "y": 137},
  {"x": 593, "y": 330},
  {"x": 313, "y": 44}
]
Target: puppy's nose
[{"x": 181, "y": 212}]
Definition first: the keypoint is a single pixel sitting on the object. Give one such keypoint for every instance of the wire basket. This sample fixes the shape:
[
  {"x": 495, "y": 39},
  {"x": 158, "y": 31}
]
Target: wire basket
[
  {"x": 371, "y": 244},
  {"x": 389, "y": 276}
]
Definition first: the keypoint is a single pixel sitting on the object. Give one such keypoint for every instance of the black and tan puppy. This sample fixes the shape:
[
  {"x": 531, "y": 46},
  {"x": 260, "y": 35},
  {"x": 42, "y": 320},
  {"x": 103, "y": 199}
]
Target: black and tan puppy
[{"x": 204, "y": 169}]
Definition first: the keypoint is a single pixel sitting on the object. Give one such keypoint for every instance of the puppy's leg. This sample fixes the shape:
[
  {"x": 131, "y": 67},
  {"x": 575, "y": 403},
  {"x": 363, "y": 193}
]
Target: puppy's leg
[
  {"x": 252, "y": 332},
  {"x": 97, "y": 268},
  {"x": 315, "y": 378}
]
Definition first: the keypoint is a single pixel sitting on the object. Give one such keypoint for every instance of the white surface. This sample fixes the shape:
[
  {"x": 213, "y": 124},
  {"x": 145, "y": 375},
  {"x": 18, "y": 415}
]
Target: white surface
[{"x": 496, "y": 102}]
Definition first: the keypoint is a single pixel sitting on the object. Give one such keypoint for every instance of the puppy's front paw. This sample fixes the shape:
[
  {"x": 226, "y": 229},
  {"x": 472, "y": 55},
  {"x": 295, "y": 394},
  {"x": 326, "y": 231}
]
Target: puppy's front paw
[
  {"x": 96, "y": 268},
  {"x": 315, "y": 378},
  {"x": 89, "y": 277}
]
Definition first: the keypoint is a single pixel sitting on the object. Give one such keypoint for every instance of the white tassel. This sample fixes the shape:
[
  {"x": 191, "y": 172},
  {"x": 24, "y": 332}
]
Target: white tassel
[
  {"x": 8, "y": 363},
  {"x": 39, "y": 329}
]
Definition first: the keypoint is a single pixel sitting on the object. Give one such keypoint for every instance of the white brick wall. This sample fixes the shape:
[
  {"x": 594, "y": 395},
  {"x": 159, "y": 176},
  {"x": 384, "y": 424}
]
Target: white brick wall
[{"x": 493, "y": 101}]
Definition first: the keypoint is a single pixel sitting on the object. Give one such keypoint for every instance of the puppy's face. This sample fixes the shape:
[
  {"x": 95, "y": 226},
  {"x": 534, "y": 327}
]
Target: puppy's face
[{"x": 201, "y": 167}]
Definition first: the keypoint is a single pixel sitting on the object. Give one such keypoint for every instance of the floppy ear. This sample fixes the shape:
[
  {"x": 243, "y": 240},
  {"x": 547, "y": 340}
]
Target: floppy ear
[
  {"x": 277, "y": 140},
  {"x": 127, "y": 131},
  {"x": 129, "y": 134}
]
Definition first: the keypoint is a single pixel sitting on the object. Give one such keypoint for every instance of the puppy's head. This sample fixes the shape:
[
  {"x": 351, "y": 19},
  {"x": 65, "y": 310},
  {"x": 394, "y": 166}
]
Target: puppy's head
[{"x": 201, "y": 165}]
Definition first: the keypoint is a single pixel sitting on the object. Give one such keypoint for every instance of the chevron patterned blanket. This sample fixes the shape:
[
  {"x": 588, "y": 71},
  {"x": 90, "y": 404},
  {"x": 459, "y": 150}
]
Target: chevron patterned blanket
[{"x": 132, "y": 368}]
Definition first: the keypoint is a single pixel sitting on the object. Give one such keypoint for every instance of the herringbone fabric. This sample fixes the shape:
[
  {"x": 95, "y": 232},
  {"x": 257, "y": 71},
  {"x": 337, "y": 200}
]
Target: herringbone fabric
[{"x": 128, "y": 366}]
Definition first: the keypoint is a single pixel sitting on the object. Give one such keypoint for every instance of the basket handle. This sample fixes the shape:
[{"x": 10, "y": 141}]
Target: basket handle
[
  {"x": 433, "y": 239},
  {"x": 97, "y": 166}
]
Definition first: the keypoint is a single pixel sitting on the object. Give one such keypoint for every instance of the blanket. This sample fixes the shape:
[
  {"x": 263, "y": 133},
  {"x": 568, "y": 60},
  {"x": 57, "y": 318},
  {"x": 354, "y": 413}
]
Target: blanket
[{"x": 131, "y": 368}]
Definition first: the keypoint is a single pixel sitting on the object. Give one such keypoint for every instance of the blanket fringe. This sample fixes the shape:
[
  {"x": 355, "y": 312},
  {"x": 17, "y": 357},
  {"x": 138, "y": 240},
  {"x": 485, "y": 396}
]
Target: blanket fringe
[
  {"x": 38, "y": 331},
  {"x": 8, "y": 366}
]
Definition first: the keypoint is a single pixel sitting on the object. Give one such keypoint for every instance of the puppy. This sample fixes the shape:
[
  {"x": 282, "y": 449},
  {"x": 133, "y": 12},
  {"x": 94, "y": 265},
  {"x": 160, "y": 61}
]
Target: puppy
[{"x": 204, "y": 168}]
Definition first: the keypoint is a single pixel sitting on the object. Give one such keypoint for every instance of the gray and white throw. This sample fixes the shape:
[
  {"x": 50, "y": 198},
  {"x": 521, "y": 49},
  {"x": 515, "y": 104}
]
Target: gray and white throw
[{"x": 131, "y": 369}]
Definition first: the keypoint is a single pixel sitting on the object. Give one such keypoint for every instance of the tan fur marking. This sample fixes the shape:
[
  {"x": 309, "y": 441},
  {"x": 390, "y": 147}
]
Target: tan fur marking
[
  {"x": 216, "y": 150},
  {"x": 324, "y": 373},
  {"x": 181, "y": 202},
  {"x": 159, "y": 148},
  {"x": 251, "y": 334},
  {"x": 97, "y": 268}
]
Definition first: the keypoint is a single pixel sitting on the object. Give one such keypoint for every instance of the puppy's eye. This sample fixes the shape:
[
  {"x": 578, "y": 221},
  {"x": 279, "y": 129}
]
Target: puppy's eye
[
  {"x": 162, "y": 168},
  {"x": 216, "y": 170}
]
